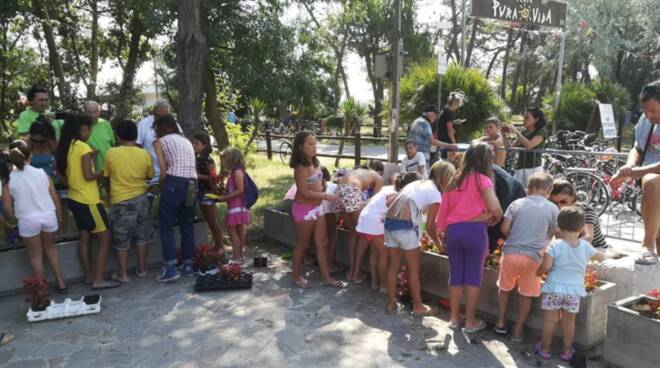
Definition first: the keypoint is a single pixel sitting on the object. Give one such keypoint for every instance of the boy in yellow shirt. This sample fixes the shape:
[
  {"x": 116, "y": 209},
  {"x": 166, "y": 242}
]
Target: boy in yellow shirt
[{"x": 129, "y": 167}]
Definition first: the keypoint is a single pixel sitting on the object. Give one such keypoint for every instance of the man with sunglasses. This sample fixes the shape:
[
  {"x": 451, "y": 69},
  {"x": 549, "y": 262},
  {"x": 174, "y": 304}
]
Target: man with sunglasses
[{"x": 644, "y": 163}]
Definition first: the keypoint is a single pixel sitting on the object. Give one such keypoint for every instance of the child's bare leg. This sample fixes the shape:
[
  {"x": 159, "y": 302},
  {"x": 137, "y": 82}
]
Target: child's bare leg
[
  {"x": 361, "y": 248},
  {"x": 350, "y": 221},
  {"x": 524, "y": 306},
  {"x": 382, "y": 261},
  {"x": 48, "y": 244},
  {"x": 304, "y": 232},
  {"x": 85, "y": 260},
  {"x": 567, "y": 320},
  {"x": 101, "y": 257},
  {"x": 35, "y": 254},
  {"x": 241, "y": 236},
  {"x": 503, "y": 301},
  {"x": 373, "y": 264},
  {"x": 142, "y": 252},
  {"x": 550, "y": 319},
  {"x": 394, "y": 265},
  {"x": 235, "y": 243},
  {"x": 211, "y": 218},
  {"x": 321, "y": 252},
  {"x": 331, "y": 230},
  {"x": 455, "y": 299}
]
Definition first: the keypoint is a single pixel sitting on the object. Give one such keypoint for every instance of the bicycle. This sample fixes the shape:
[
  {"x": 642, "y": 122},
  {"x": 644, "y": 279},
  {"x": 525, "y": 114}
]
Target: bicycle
[{"x": 285, "y": 151}]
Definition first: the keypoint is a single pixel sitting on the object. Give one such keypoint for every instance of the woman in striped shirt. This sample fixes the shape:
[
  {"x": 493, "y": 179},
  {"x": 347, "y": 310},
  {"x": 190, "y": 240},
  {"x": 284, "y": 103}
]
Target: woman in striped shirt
[{"x": 563, "y": 195}]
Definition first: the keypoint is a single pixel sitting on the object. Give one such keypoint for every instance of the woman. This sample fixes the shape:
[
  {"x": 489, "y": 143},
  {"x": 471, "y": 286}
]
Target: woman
[
  {"x": 445, "y": 131},
  {"x": 531, "y": 138}
]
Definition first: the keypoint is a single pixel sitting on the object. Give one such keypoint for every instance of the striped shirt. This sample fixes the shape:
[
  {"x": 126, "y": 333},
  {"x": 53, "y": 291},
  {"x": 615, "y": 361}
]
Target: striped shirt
[
  {"x": 179, "y": 155},
  {"x": 591, "y": 218}
]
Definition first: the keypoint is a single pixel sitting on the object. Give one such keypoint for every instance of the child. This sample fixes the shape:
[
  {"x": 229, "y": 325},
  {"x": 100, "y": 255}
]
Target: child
[
  {"x": 566, "y": 263},
  {"x": 529, "y": 224},
  {"x": 307, "y": 209},
  {"x": 371, "y": 230},
  {"x": 405, "y": 215},
  {"x": 36, "y": 206},
  {"x": 465, "y": 214},
  {"x": 178, "y": 180},
  {"x": 238, "y": 215},
  {"x": 330, "y": 218},
  {"x": 75, "y": 163},
  {"x": 206, "y": 175},
  {"x": 129, "y": 167},
  {"x": 414, "y": 161},
  {"x": 563, "y": 195},
  {"x": 493, "y": 137}
]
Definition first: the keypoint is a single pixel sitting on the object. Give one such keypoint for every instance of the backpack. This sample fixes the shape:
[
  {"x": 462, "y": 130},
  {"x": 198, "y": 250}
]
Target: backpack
[{"x": 251, "y": 191}]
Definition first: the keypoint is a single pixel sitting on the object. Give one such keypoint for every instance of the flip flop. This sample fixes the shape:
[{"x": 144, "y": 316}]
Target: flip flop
[
  {"x": 301, "y": 283},
  {"x": 647, "y": 259},
  {"x": 361, "y": 279},
  {"x": 115, "y": 277},
  {"x": 567, "y": 357},
  {"x": 337, "y": 284},
  {"x": 106, "y": 285},
  {"x": 539, "y": 351},
  {"x": 141, "y": 274},
  {"x": 500, "y": 330},
  {"x": 454, "y": 326},
  {"x": 5, "y": 339},
  {"x": 429, "y": 312},
  {"x": 394, "y": 310},
  {"x": 470, "y": 330}
]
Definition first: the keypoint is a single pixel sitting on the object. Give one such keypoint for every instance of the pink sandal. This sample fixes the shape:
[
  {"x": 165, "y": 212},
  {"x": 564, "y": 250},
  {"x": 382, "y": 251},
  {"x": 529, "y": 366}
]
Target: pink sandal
[
  {"x": 539, "y": 351},
  {"x": 567, "y": 357}
]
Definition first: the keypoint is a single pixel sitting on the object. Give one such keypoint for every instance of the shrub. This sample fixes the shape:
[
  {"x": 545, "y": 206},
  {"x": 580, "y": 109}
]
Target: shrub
[
  {"x": 419, "y": 87},
  {"x": 241, "y": 140}
]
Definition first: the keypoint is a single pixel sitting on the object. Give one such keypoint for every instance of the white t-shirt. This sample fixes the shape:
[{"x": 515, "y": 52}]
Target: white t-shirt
[
  {"x": 411, "y": 165},
  {"x": 424, "y": 193},
  {"x": 30, "y": 189},
  {"x": 328, "y": 206},
  {"x": 146, "y": 138},
  {"x": 376, "y": 208}
]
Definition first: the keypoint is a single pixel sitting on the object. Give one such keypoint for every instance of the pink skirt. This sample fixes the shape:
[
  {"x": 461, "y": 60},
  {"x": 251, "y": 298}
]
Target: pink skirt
[{"x": 237, "y": 216}]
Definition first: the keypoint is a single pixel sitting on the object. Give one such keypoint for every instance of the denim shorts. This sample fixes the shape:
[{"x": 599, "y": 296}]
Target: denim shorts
[
  {"x": 203, "y": 200},
  {"x": 131, "y": 223}
]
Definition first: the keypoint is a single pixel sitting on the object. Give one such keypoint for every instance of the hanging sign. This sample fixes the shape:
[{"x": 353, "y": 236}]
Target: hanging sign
[
  {"x": 535, "y": 12},
  {"x": 607, "y": 120}
]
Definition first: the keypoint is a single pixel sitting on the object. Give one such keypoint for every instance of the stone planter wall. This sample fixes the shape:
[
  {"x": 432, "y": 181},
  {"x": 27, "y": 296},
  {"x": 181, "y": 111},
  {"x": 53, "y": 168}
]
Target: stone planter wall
[
  {"x": 632, "y": 340},
  {"x": 15, "y": 266},
  {"x": 590, "y": 322}
]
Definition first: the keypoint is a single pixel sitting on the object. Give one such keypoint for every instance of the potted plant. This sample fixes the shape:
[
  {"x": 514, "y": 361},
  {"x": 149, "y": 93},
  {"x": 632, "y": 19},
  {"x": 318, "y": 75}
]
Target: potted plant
[
  {"x": 229, "y": 277},
  {"x": 36, "y": 293},
  {"x": 207, "y": 258},
  {"x": 633, "y": 331}
]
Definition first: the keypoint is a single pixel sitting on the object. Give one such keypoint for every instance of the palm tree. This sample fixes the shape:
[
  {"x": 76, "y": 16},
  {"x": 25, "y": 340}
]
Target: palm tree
[
  {"x": 256, "y": 109},
  {"x": 353, "y": 112}
]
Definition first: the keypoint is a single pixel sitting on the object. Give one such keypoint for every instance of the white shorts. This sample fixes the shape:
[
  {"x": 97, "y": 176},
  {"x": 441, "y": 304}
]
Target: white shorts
[
  {"x": 34, "y": 225},
  {"x": 403, "y": 239},
  {"x": 524, "y": 174},
  {"x": 328, "y": 206},
  {"x": 370, "y": 226}
]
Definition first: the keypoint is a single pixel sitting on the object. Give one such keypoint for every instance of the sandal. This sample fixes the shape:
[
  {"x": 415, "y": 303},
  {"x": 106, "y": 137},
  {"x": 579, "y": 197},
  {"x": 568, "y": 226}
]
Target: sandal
[
  {"x": 5, "y": 338},
  {"x": 301, "y": 283},
  {"x": 337, "y": 284},
  {"x": 389, "y": 309},
  {"x": 647, "y": 259},
  {"x": 539, "y": 351},
  {"x": 567, "y": 357},
  {"x": 115, "y": 277},
  {"x": 360, "y": 279},
  {"x": 470, "y": 330},
  {"x": 429, "y": 312},
  {"x": 106, "y": 285},
  {"x": 142, "y": 274},
  {"x": 500, "y": 330}
]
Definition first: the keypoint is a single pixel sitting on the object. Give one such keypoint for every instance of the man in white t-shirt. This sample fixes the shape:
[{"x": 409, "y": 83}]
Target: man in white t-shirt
[
  {"x": 414, "y": 161},
  {"x": 147, "y": 134}
]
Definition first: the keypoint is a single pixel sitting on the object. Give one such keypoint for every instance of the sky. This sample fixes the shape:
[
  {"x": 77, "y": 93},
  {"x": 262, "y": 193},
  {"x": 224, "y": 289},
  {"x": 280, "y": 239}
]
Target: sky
[{"x": 428, "y": 14}]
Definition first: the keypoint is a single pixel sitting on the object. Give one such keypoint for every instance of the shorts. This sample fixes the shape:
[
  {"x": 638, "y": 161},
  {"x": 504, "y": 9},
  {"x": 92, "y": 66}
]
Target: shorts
[
  {"x": 328, "y": 206},
  {"x": 557, "y": 301},
  {"x": 130, "y": 223},
  {"x": 368, "y": 225},
  {"x": 63, "y": 193},
  {"x": 349, "y": 198},
  {"x": 88, "y": 217},
  {"x": 306, "y": 212},
  {"x": 401, "y": 234},
  {"x": 369, "y": 237},
  {"x": 203, "y": 200},
  {"x": 520, "y": 269},
  {"x": 36, "y": 224}
]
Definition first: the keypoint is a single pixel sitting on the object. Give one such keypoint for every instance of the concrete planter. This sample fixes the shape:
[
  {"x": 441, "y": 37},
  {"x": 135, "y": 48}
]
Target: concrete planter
[
  {"x": 590, "y": 322},
  {"x": 632, "y": 339},
  {"x": 15, "y": 266}
]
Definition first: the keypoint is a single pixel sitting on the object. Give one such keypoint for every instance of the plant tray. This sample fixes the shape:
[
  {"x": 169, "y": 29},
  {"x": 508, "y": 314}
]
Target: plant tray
[
  {"x": 89, "y": 304},
  {"x": 219, "y": 282}
]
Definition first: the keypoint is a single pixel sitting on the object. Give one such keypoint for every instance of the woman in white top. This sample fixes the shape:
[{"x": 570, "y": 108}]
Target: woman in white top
[
  {"x": 30, "y": 197},
  {"x": 371, "y": 230}
]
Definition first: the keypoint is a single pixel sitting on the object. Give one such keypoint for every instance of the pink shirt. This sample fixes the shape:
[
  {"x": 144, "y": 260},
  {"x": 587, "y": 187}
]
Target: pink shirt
[{"x": 465, "y": 203}]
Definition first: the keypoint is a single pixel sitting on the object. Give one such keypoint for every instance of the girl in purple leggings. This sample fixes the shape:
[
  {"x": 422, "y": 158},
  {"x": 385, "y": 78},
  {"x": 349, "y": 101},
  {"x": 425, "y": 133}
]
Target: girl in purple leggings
[{"x": 466, "y": 212}]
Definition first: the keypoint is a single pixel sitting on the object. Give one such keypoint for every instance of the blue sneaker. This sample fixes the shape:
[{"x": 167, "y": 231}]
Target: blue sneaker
[
  {"x": 187, "y": 270},
  {"x": 168, "y": 274}
]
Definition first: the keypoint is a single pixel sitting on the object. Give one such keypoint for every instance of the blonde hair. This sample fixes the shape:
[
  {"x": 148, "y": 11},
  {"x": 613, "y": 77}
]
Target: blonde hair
[
  {"x": 232, "y": 159},
  {"x": 441, "y": 173}
]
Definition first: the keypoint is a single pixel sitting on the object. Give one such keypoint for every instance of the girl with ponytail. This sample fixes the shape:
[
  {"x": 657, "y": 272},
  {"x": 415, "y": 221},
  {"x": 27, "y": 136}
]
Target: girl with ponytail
[{"x": 30, "y": 197}]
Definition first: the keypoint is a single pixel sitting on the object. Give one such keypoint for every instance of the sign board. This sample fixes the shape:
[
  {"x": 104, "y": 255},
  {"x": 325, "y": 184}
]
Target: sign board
[
  {"x": 442, "y": 64},
  {"x": 607, "y": 120},
  {"x": 534, "y": 12}
]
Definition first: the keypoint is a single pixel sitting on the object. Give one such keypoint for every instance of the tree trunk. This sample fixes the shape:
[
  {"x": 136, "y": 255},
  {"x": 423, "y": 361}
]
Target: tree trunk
[
  {"x": 345, "y": 80},
  {"x": 492, "y": 62},
  {"x": 124, "y": 106},
  {"x": 507, "y": 52},
  {"x": 191, "y": 56},
  {"x": 377, "y": 87},
  {"x": 53, "y": 55},
  {"x": 213, "y": 115},
  {"x": 94, "y": 52},
  {"x": 347, "y": 129},
  {"x": 455, "y": 31},
  {"x": 473, "y": 37},
  {"x": 516, "y": 73}
]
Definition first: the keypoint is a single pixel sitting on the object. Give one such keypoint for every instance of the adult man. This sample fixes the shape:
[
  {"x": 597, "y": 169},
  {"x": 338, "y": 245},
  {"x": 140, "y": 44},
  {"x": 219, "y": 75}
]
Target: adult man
[
  {"x": 422, "y": 134},
  {"x": 147, "y": 134},
  {"x": 38, "y": 99},
  {"x": 644, "y": 163},
  {"x": 102, "y": 138}
]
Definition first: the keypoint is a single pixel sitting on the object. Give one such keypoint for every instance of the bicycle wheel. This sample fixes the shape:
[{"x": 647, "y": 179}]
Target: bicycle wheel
[
  {"x": 591, "y": 190},
  {"x": 285, "y": 152}
]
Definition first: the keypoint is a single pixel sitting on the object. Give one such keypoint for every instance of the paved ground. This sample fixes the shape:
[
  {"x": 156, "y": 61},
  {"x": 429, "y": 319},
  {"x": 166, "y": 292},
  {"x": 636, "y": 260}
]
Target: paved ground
[{"x": 148, "y": 324}]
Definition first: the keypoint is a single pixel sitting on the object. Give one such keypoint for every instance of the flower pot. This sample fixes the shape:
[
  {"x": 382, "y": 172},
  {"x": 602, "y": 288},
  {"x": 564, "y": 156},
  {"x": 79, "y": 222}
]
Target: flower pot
[
  {"x": 221, "y": 282},
  {"x": 41, "y": 306},
  {"x": 632, "y": 338},
  {"x": 260, "y": 261}
]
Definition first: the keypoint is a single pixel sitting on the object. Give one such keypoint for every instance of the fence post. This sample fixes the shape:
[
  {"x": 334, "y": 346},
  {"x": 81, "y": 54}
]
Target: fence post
[
  {"x": 269, "y": 145},
  {"x": 358, "y": 148}
]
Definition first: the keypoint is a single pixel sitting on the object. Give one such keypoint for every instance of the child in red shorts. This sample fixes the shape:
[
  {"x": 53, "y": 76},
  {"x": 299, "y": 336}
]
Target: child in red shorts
[{"x": 529, "y": 224}]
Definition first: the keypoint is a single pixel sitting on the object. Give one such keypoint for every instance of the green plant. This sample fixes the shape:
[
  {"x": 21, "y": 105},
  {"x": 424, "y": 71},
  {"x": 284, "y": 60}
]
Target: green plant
[
  {"x": 241, "y": 140},
  {"x": 353, "y": 112},
  {"x": 419, "y": 87}
]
